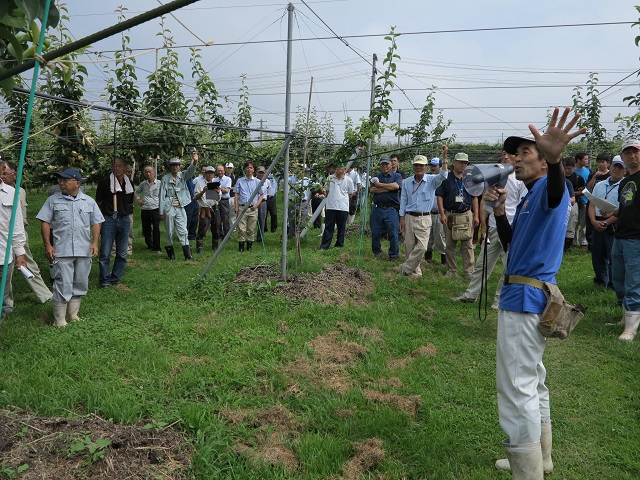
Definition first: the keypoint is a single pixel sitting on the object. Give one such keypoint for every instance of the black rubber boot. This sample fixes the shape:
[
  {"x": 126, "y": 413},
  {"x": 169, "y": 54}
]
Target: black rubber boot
[
  {"x": 249, "y": 245},
  {"x": 214, "y": 245},
  {"x": 567, "y": 244},
  {"x": 428, "y": 255},
  {"x": 199, "y": 248},
  {"x": 241, "y": 246},
  {"x": 186, "y": 250},
  {"x": 443, "y": 259},
  {"x": 170, "y": 253}
]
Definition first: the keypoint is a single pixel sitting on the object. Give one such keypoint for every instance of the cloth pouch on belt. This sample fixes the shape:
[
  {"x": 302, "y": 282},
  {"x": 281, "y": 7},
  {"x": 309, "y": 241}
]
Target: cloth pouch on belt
[
  {"x": 462, "y": 227},
  {"x": 559, "y": 317}
]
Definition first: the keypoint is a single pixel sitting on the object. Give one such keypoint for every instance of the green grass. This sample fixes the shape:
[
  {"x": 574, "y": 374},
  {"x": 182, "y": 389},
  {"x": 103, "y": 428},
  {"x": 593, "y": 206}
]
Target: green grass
[{"x": 172, "y": 348}]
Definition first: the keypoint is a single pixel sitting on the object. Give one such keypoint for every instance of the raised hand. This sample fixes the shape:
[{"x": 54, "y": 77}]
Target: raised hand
[{"x": 557, "y": 135}]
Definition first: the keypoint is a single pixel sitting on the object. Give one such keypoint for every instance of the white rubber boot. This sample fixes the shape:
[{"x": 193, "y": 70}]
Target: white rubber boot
[
  {"x": 545, "y": 445},
  {"x": 631, "y": 323},
  {"x": 59, "y": 314},
  {"x": 525, "y": 461},
  {"x": 72, "y": 309}
]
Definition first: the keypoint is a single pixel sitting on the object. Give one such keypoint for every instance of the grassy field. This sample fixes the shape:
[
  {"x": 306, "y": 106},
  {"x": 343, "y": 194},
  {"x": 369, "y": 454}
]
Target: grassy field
[{"x": 396, "y": 383}]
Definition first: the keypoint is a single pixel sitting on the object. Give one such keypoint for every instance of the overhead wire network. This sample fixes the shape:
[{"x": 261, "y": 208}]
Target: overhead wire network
[{"x": 262, "y": 86}]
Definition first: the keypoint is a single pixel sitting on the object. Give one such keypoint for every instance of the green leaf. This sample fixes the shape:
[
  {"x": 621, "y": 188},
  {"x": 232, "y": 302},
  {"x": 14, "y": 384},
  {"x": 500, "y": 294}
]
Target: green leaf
[{"x": 29, "y": 7}]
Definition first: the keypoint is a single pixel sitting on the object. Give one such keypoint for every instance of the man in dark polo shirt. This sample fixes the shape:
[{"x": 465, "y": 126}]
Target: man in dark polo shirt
[
  {"x": 114, "y": 196},
  {"x": 456, "y": 206},
  {"x": 385, "y": 187}
]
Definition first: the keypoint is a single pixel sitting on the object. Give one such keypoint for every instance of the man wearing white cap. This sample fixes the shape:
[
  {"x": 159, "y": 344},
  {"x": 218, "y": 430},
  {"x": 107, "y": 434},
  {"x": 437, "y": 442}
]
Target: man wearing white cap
[
  {"x": 534, "y": 242},
  {"x": 416, "y": 200},
  {"x": 625, "y": 254},
  {"x": 603, "y": 223},
  {"x": 174, "y": 196}
]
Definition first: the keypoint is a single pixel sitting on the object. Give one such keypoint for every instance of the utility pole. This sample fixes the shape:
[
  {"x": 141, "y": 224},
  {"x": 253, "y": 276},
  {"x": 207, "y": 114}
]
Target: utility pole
[{"x": 261, "y": 131}]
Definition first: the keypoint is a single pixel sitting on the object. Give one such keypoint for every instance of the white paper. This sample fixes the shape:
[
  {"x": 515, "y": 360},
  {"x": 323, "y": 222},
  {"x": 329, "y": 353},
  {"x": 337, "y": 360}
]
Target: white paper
[
  {"x": 26, "y": 272},
  {"x": 603, "y": 205}
]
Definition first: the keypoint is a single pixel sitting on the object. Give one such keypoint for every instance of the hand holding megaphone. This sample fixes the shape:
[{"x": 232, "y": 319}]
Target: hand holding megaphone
[
  {"x": 478, "y": 178},
  {"x": 494, "y": 198}
]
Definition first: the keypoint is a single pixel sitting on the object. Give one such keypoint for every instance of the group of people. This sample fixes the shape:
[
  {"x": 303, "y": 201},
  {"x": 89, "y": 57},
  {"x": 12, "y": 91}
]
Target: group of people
[{"x": 527, "y": 228}]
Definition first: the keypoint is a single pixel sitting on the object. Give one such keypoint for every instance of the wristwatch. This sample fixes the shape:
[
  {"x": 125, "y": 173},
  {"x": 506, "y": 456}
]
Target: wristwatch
[{"x": 605, "y": 224}]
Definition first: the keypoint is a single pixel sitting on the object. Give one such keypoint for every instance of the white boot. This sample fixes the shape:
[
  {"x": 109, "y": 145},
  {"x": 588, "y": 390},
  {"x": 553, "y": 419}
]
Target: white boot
[
  {"x": 545, "y": 445},
  {"x": 72, "y": 309},
  {"x": 525, "y": 461},
  {"x": 631, "y": 323},
  {"x": 59, "y": 313}
]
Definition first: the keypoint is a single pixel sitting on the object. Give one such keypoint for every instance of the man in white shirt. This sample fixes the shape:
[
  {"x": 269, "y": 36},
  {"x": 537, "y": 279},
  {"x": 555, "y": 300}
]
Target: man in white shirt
[
  {"x": 340, "y": 190},
  {"x": 18, "y": 238}
]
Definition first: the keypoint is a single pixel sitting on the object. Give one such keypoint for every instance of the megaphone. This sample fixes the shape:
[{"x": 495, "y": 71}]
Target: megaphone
[{"x": 478, "y": 178}]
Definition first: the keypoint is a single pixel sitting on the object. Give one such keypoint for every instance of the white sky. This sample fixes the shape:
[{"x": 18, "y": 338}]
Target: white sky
[{"x": 545, "y": 64}]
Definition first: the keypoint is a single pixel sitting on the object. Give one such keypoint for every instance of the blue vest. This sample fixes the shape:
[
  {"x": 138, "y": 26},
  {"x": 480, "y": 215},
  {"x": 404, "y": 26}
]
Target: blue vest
[{"x": 536, "y": 248}]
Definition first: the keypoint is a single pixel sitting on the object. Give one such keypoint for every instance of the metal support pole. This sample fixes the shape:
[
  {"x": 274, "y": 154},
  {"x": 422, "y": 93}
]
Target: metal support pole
[
  {"x": 226, "y": 238},
  {"x": 399, "y": 123},
  {"x": 287, "y": 128}
]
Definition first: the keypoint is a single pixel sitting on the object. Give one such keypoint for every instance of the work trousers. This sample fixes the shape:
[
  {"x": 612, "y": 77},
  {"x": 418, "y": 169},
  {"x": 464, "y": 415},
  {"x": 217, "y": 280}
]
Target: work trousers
[
  {"x": 625, "y": 257},
  {"x": 572, "y": 225},
  {"x": 70, "y": 277},
  {"x": 175, "y": 219},
  {"x": 247, "y": 225},
  {"x": 384, "y": 219},
  {"x": 272, "y": 209},
  {"x": 113, "y": 230},
  {"x": 465, "y": 245},
  {"x": 523, "y": 397},
  {"x": 150, "y": 220},
  {"x": 494, "y": 251},
  {"x": 224, "y": 211},
  {"x": 601, "y": 246},
  {"x": 333, "y": 219},
  {"x": 36, "y": 283},
  {"x": 7, "y": 301},
  {"x": 581, "y": 230},
  {"x": 416, "y": 240},
  {"x": 437, "y": 239}
]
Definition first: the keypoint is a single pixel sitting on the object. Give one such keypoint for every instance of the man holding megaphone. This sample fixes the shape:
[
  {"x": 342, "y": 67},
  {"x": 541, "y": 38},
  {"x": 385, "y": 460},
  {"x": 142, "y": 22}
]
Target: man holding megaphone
[{"x": 534, "y": 242}]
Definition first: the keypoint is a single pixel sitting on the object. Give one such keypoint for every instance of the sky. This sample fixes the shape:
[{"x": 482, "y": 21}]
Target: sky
[{"x": 490, "y": 83}]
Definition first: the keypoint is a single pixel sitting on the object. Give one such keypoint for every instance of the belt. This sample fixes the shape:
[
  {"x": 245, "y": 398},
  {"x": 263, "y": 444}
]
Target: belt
[
  {"x": 418, "y": 214},
  {"x": 520, "y": 280},
  {"x": 241, "y": 204},
  {"x": 458, "y": 211},
  {"x": 383, "y": 205}
]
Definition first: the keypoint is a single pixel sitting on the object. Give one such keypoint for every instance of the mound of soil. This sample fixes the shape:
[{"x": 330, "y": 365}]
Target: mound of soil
[
  {"x": 89, "y": 448},
  {"x": 335, "y": 284}
]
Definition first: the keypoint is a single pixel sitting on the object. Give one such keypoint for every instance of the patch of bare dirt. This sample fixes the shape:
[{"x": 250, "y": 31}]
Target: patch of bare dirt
[
  {"x": 329, "y": 348},
  {"x": 273, "y": 428},
  {"x": 367, "y": 457},
  {"x": 89, "y": 448},
  {"x": 184, "y": 360},
  {"x": 422, "y": 351},
  {"x": 328, "y": 365},
  {"x": 335, "y": 284},
  {"x": 409, "y": 405}
]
